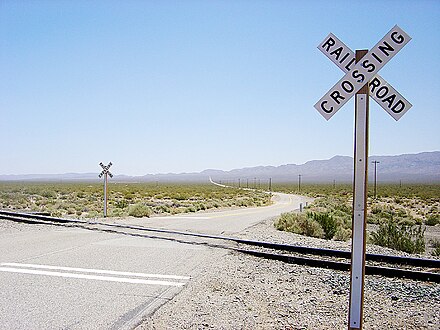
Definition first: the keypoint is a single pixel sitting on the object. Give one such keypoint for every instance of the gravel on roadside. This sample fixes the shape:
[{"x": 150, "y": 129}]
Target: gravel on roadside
[
  {"x": 238, "y": 291},
  {"x": 10, "y": 227}
]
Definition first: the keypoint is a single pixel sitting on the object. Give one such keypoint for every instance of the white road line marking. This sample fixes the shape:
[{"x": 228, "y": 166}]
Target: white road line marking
[
  {"x": 89, "y": 277},
  {"x": 96, "y": 271}
]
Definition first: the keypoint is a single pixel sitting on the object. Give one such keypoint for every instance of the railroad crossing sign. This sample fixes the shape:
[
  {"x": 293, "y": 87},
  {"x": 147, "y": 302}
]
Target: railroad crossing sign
[
  {"x": 381, "y": 91},
  {"x": 361, "y": 79},
  {"x": 105, "y": 169},
  {"x": 362, "y": 72},
  {"x": 105, "y": 172}
]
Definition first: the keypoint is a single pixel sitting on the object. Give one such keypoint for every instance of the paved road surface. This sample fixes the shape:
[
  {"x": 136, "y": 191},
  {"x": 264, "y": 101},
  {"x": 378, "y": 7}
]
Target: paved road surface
[
  {"x": 223, "y": 222},
  {"x": 71, "y": 278}
]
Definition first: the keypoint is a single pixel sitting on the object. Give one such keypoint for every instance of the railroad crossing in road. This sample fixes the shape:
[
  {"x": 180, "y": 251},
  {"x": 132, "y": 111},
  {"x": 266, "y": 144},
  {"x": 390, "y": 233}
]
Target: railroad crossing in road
[
  {"x": 224, "y": 222},
  {"x": 61, "y": 277},
  {"x": 64, "y": 278}
]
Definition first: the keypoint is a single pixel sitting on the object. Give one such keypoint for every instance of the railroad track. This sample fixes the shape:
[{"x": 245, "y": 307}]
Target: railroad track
[{"x": 377, "y": 264}]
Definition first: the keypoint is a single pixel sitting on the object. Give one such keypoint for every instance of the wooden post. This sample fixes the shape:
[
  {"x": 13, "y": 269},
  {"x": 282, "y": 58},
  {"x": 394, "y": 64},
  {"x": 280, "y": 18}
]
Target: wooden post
[{"x": 359, "y": 205}]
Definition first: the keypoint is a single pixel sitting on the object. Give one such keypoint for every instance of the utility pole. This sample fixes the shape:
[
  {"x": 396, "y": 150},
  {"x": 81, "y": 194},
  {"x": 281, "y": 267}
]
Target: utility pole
[
  {"x": 105, "y": 172},
  {"x": 247, "y": 183},
  {"x": 299, "y": 182},
  {"x": 239, "y": 183},
  {"x": 270, "y": 184},
  {"x": 375, "y": 162}
]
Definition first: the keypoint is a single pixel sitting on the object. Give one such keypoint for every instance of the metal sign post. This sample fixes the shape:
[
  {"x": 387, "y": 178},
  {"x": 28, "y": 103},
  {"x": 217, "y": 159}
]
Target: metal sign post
[
  {"x": 375, "y": 162},
  {"x": 105, "y": 172},
  {"x": 359, "y": 205},
  {"x": 361, "y": 79}
]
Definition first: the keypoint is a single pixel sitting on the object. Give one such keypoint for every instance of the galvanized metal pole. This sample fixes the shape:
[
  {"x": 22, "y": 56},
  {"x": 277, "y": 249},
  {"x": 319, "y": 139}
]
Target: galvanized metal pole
[
  {"x": 105, "y": 195},
  {"x": 375, "y": 162},
  {"x": 359, "y": 205},
  {"x": 105, "y": 172}
]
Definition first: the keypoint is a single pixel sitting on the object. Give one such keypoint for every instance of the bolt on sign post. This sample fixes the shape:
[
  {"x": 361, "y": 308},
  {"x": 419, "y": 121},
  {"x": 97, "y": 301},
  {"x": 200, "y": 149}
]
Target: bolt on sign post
[
  {"x": 361, "y": 79},
  {"x": 105, "y": 172}
]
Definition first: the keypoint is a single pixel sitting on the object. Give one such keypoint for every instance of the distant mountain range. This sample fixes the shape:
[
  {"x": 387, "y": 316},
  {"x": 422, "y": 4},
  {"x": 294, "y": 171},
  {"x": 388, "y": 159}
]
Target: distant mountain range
[{"x": 421, "y": 167}]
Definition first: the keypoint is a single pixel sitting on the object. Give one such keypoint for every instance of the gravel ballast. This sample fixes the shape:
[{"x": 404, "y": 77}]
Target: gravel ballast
[{"x": 238, "y": 291}]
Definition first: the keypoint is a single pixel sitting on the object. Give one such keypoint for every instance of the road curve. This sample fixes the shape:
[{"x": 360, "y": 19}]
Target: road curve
[
  {"x": 70, "y": 278},
  {"x": 224, "y": 221}
]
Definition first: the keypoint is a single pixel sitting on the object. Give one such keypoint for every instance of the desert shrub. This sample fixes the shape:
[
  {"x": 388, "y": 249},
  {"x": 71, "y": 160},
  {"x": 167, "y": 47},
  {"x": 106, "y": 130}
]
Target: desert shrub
[
  {"x": 376, "y": 210},
  {"x": 162, "y": 209},
  {"x": 139, "y": 210},
  {"x": 400, "y": 237},
  {"x": 432, "y": 220},
  {"x": 327, "y": 223},
  {"x": 122, "y": 204},
  {"x": 190, "y": 209},
  {"x": 406, "y": 221},
  {"x": 380, "y": 214},
  {"x": 436, "y": 245},
  {"x": 56, "y": 213},
  {"x": 117, "y": 212},
  {"x": 93, "y": 214},
  {"x": 48, "y": 194},
  {"x": 299, "y": 223},
  {"x": 200, "y": 206},
  {"x": 342, "y": 234}
]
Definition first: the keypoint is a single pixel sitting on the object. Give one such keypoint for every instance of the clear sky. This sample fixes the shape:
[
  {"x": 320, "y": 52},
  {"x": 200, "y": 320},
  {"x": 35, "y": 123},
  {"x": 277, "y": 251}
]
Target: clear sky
[{"x": 182, "y": 86}]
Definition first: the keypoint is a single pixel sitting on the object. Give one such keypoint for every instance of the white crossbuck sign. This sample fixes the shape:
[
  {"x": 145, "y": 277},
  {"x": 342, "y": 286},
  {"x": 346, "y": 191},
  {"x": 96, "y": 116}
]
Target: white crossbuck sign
[
  {"x": 105, "y": 169},
  {"x": 358, "y": 74}
]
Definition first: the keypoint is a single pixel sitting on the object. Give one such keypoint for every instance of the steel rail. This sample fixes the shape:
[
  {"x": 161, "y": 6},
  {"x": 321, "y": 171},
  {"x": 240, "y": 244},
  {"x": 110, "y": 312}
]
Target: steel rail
[
  {"x": 370, "y": 270},
  {"x": 411, "y": 261}
]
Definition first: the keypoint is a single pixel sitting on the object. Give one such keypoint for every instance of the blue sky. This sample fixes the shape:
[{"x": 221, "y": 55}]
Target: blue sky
[{"x": 182, "y": 86}]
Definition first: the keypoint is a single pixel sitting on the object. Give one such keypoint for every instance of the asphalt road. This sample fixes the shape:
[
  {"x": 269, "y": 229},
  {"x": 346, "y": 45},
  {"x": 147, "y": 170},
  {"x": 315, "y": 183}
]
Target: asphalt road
[
  {"x": 223, "y": 222},
  {"x": 71, "y": 278}
]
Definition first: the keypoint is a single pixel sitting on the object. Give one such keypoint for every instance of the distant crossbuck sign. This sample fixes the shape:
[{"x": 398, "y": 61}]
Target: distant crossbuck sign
[
  {"x": 358, "y": 74},
  {"x": 105, "y": 170}
]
